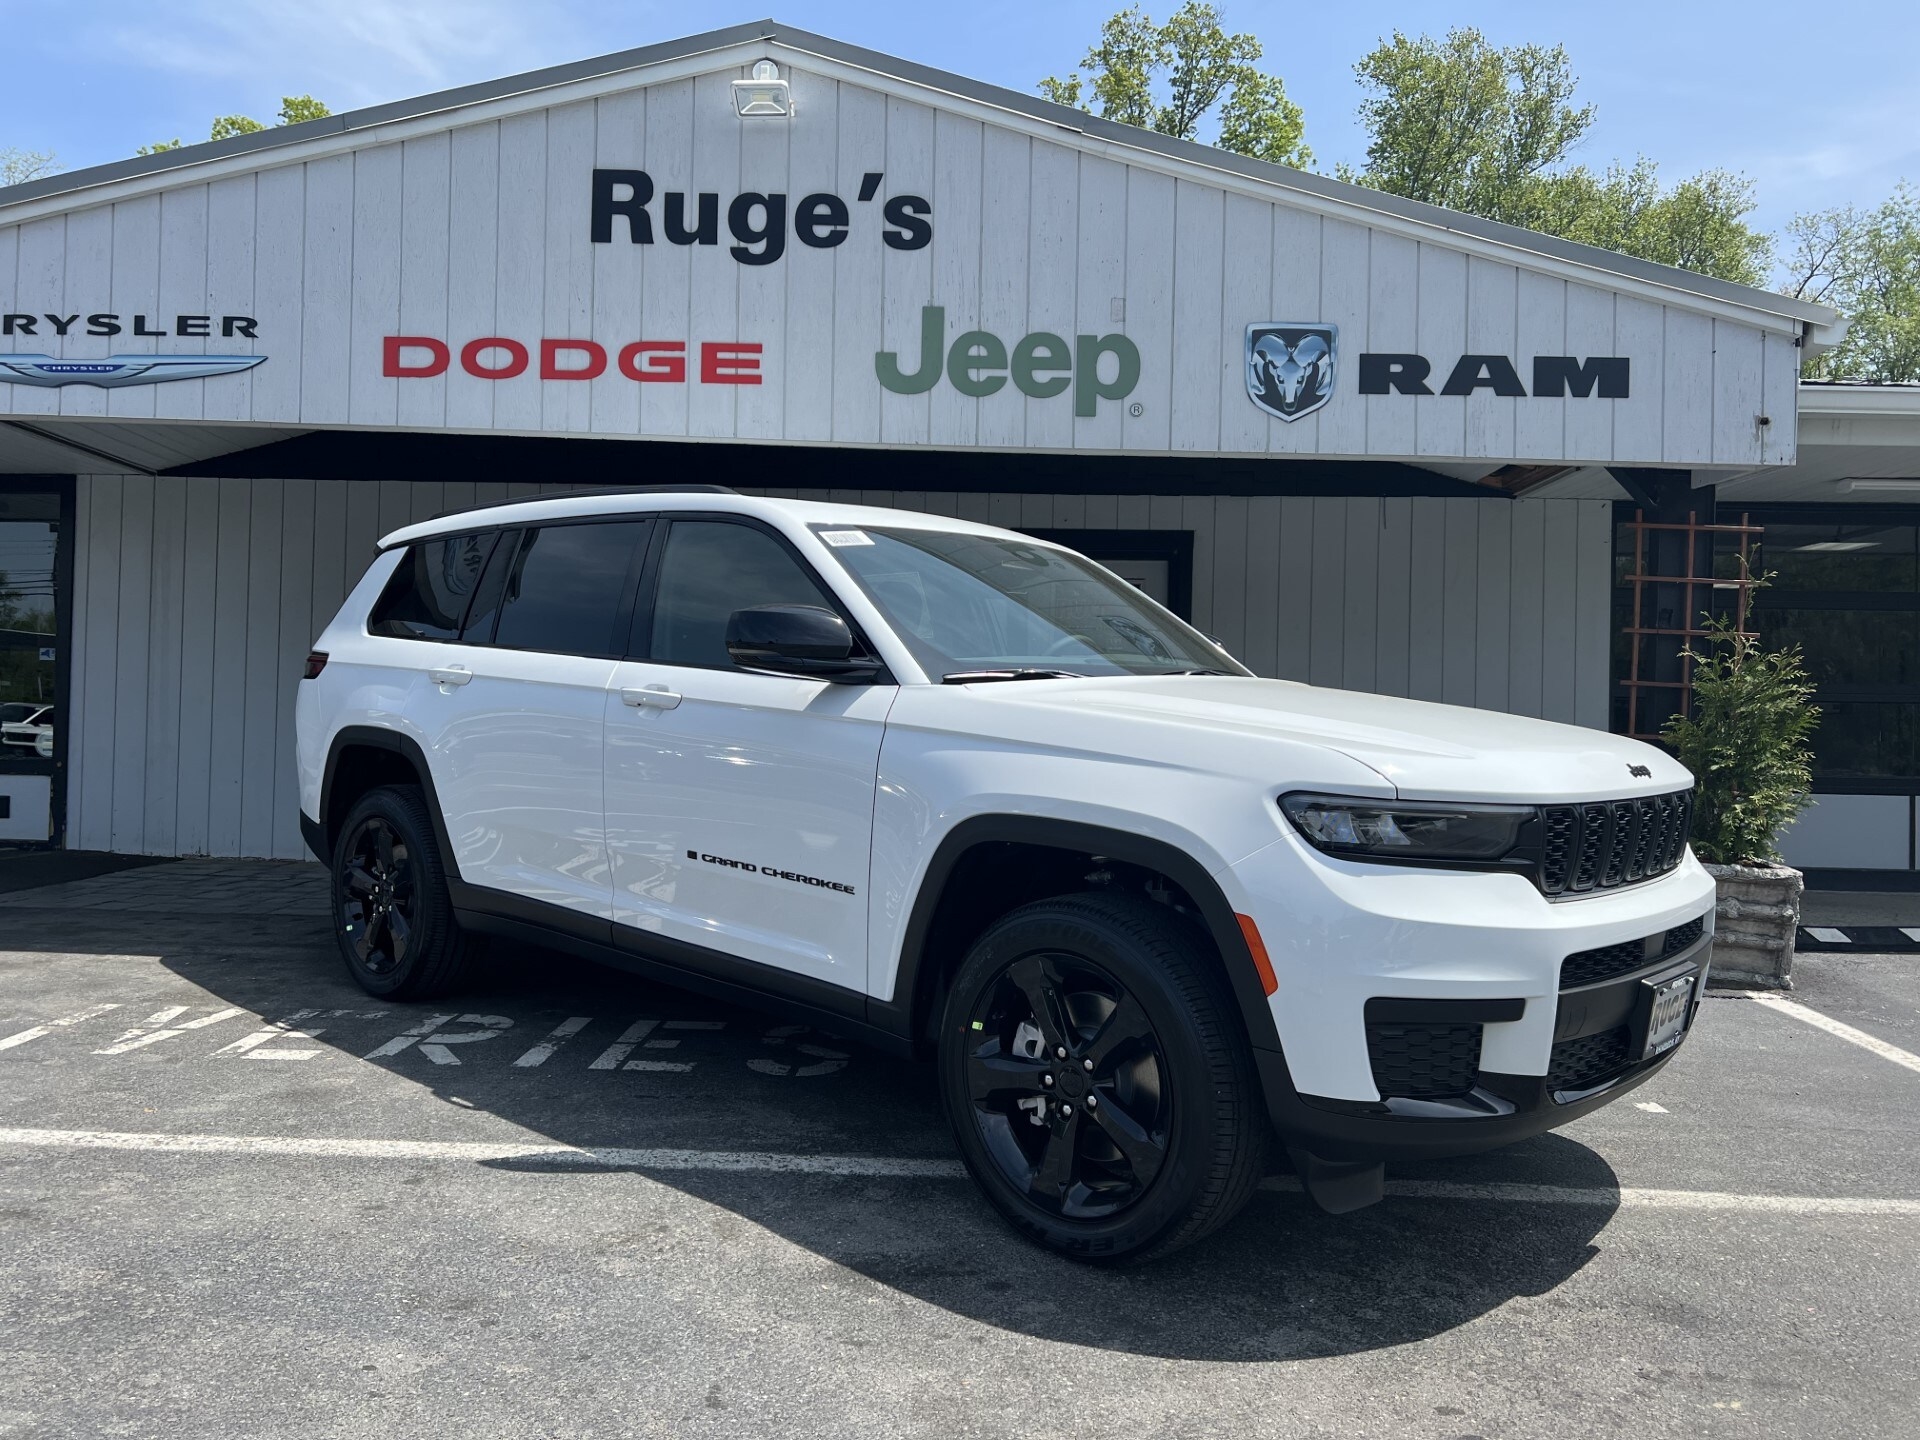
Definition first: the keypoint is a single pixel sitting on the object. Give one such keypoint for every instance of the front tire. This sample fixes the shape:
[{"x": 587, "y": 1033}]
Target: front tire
[
  {"x": 1098, "y": 1080},
  {"x": 392, "y": 916}
]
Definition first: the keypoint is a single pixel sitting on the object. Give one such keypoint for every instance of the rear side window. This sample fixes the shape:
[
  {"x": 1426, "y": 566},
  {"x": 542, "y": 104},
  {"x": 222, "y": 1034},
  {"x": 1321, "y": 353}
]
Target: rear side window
[
  {"x": 428, "y": 595},
  {"x": 567, "y": 589},
  {"x": 492, "y": 587}
]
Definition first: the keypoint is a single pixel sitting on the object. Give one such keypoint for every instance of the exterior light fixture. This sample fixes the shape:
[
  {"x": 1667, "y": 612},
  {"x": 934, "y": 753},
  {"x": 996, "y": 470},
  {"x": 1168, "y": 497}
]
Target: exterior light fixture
[
  {"x": 1892, "y": 486},
  {"x": 765, "y": 94}
]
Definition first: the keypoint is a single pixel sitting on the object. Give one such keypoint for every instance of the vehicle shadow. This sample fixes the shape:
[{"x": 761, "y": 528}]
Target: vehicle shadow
[{"x": 1283, "y": 1281}]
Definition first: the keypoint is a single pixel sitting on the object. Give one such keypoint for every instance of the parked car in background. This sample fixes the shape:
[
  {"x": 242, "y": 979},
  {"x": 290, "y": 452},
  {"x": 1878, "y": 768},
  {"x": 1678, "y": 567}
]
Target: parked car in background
[{"x": 31, "y": 730}]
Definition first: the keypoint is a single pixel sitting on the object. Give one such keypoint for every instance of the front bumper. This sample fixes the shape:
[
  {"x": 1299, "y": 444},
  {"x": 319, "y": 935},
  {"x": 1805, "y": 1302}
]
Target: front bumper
[
  {"x": 1500, "y": 1108},
  {"x": 1481, "y": 957}
]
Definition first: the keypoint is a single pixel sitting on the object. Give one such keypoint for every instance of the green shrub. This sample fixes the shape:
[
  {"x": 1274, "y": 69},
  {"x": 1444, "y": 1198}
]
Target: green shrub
[{"x": 1746, "y": 745}]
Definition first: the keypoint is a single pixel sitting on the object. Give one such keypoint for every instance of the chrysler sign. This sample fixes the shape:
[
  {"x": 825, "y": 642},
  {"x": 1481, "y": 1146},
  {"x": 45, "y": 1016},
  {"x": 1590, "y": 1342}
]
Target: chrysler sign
[{"x": 112, "y": 371}]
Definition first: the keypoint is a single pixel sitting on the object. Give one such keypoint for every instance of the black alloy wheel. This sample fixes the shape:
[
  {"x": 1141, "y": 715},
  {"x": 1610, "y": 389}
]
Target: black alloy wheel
[
  {"x": 1096, "y": 1071},
  {"x": 1069, "y": 1085},
  {"x": 378, "y": 892},
  {"x": 392, "y": 914}
]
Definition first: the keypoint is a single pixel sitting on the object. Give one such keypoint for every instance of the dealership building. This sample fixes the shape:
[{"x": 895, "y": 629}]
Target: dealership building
[{"x": 1367, "y": 443}]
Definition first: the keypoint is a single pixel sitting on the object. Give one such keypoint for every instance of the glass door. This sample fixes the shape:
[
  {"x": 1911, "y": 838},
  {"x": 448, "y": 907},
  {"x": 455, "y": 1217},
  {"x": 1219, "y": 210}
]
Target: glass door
[{"x": 35, "y": 540}]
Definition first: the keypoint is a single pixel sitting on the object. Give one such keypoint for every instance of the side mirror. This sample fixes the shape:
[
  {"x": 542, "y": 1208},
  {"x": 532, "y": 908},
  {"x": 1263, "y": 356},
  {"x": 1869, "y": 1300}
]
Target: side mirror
[{"x": 807, "y": 641}]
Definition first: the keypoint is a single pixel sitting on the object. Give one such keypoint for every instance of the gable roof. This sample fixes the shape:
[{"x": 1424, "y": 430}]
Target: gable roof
[{"x": 1821, "y": 325}]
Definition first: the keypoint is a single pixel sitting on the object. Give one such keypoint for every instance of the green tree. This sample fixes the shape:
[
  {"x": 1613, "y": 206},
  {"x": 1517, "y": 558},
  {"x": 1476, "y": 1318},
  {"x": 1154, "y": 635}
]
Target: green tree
[
  {"x": 19, "y": 166},
  {"x": 1170, "y": 77},
  {"x": 1462, "y": 124},
  {"x": 294, "y": 109},
  {"x": 1866, "y": 264},
  {"x": 1465, "y": 124},
  {"x": 298, "y": 109},
  {"x": 226, "y": 126},
  {"x": 1697, "y": 225},
  {"x": 1745, "y": 744}
]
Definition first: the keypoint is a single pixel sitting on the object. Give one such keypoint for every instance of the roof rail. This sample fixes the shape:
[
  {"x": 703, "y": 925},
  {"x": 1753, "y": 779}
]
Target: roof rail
[{"x": 597, "y": 492}]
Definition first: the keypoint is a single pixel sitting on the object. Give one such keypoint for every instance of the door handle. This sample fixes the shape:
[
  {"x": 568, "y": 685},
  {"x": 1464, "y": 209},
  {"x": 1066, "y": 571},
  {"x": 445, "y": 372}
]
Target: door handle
[
  {"x": 652, "y": 697},
  {"x": 451, "y": 675}
]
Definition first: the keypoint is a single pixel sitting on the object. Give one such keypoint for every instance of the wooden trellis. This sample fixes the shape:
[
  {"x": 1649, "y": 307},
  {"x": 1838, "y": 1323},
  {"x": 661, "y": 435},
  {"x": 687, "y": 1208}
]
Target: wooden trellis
[{"x": 1693, "y": 610}]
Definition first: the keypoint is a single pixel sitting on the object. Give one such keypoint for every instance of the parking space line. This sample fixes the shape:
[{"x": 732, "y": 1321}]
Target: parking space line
[
  {"x": 91, "y": 1012},
  {"x": 1813, "y": 1017},
  {"x": 1632, "y": 1198},
  {"x": 140, "y": 1037},
  {"x": 887, "y": 1167}
]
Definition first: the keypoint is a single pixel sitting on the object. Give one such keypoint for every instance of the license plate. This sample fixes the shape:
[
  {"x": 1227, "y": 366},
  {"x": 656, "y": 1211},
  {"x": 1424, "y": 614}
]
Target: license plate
[{"x": 1671, "y": 1002}]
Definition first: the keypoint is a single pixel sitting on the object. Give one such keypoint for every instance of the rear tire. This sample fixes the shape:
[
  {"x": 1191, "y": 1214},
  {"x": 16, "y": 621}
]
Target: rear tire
[
  {"x": 392, "y": 916},
  {"x": 1147, "y": 1133}
]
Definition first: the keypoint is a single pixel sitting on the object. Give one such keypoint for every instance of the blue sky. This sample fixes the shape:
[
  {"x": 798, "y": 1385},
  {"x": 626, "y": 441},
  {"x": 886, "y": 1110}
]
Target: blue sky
[{"x": 1817, "y": 103}]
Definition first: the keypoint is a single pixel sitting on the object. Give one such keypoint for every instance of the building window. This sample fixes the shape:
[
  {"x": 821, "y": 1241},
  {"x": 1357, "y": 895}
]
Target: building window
[{"x": 1846, "y": 590}]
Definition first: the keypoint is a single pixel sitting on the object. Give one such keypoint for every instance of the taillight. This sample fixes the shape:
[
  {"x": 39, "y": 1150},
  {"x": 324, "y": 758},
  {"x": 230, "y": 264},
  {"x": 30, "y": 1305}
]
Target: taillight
[{"x": 316, "y": 662}]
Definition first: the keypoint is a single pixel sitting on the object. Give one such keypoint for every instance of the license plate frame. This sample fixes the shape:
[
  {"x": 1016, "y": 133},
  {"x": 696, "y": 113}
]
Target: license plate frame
[{"x": 1666, "y": 1011}]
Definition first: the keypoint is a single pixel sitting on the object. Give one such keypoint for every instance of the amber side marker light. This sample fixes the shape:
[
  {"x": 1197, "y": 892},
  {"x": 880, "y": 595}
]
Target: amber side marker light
[{"x": 1258, "y": 949}]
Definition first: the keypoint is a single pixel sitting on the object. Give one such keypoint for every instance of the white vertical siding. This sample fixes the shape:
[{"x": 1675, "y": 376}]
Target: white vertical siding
[{"x": 195, "y": 601}]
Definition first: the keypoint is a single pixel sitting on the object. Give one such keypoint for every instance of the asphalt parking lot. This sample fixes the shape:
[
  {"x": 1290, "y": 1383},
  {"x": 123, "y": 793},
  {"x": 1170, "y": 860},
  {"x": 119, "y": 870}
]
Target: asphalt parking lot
[{"x": 239, "y": 1197}]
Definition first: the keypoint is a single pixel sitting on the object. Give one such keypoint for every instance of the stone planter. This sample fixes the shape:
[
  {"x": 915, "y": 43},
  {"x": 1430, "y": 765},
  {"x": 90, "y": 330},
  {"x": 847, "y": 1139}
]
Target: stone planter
[{"x": 1755, "y": 919}]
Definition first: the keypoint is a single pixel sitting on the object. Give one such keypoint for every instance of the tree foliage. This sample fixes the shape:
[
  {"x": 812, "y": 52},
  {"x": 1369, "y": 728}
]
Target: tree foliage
[
  {"x": 1459, "y": 123},
  {"x": 1866, "y": 264},
  {"x": 1170, "y": 77},
  {"x": 1745, "y": 744},
  {"x": 294, "y": 109},
  {"x": 1465, "y": 124},
  {"x": 19, "y": 166}
]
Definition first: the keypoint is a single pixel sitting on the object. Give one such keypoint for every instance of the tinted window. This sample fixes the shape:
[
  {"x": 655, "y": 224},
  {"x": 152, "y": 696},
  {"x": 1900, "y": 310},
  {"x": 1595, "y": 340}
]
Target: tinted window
[
  {"x": 492, "y": 585},
  {"x": 428, "y": 594},
  {"x": 565, "y": 589},
  {"x": 710, "y": 570}
]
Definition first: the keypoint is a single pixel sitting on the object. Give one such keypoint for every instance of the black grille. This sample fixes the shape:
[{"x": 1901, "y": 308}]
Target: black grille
[
  {"x": 1423, "y": 1062},
  {"x": 1585, "y": 1062},
  {"x": 1612, "y": 842},
  {"x": 1590, "y": 967}
]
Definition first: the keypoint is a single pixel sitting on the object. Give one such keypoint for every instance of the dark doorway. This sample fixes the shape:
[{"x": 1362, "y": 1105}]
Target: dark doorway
[{"x": 36, "y": 566}]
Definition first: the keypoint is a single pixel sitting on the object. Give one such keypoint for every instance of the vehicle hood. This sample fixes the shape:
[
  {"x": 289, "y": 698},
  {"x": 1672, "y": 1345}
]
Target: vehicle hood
[{"x": 1425, "y": 750}]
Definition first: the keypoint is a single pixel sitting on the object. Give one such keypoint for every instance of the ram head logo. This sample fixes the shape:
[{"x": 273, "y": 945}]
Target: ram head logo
[{"x": 1290, "y": 367}]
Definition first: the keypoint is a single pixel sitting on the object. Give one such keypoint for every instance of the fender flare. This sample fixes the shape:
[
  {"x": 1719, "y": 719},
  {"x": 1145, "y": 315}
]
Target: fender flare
[
  {"x": 914, "y": 985},
  {"x": 374, "y": 737}
]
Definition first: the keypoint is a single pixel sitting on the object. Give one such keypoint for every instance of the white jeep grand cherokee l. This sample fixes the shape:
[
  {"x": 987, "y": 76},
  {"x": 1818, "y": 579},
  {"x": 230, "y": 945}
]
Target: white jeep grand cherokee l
[{"x": 961, "y": 793}]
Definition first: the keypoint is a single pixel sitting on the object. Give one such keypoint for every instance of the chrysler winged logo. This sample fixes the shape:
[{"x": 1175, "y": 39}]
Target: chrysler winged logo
[
  {"x": 112, "y": 371},
  {"x": 1290, "y": 367}
]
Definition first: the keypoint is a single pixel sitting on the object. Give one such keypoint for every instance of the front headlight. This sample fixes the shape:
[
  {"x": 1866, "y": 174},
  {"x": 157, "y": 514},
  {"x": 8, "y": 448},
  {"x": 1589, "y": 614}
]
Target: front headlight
[{"x": 1410, "y": 831}]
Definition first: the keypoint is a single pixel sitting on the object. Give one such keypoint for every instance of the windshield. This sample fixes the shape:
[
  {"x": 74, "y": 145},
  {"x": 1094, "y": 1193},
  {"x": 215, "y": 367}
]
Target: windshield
[{"x": 967, "y": 604}]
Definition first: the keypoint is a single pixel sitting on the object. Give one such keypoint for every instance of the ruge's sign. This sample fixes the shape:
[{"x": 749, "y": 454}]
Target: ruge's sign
[{"x": 758, "y": 222}]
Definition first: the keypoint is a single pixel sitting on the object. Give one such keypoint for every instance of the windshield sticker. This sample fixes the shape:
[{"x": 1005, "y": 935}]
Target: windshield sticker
[{"x": 839, "y": 538}]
